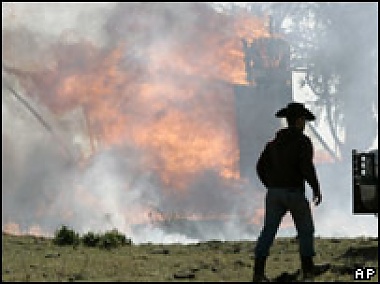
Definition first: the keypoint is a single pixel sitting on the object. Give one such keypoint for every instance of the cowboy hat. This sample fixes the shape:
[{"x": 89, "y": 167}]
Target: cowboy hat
[{"x": 295, "y": 109}]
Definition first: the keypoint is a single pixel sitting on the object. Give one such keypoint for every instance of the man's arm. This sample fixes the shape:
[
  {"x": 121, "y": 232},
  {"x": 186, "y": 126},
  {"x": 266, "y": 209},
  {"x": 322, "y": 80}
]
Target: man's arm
[{"x": 308, "y": 170}]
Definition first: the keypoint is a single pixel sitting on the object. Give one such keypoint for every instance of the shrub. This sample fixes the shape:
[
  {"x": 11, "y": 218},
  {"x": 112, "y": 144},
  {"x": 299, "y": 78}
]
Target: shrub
[
  {"x": 65, "y": 236},
  {"x": 112, "y": 239},
  {"x": 91, "y": 240}
]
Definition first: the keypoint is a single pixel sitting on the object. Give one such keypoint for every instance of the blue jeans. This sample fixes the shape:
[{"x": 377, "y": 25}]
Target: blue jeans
[{"x": 277, "y": 202}]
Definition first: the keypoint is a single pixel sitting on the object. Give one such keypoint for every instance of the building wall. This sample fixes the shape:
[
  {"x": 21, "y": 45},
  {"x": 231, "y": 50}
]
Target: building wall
[{"x": 268, "y": 88}]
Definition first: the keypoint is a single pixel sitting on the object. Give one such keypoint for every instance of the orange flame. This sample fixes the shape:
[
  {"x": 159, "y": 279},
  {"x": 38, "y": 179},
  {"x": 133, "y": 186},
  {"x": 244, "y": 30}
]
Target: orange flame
[
  {"x": 178, "y": 121},
  {"x": 177, "y": 107}
]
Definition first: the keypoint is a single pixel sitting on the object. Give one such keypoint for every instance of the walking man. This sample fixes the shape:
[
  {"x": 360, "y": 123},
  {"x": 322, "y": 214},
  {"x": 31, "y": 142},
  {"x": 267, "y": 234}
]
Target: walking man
[{"x": 283, "y": 167}]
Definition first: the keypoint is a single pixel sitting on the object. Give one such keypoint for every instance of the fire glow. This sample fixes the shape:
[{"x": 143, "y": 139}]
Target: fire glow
[{"x": 169, "y": 97}]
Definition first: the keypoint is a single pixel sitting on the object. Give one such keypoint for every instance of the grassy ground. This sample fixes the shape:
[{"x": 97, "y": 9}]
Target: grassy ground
[{"x": 28, "y": 258}]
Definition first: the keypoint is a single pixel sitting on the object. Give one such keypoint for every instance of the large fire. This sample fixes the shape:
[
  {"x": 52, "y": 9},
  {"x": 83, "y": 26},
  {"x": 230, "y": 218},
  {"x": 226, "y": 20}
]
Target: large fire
[{"x": 166, "y": 92}]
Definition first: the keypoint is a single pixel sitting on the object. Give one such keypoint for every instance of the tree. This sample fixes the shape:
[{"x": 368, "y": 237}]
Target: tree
[{"x": 336, "y": 44}]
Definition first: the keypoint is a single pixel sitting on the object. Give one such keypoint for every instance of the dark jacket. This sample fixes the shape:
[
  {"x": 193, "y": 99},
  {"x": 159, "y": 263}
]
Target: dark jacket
[{"x": 287, "y": 161}]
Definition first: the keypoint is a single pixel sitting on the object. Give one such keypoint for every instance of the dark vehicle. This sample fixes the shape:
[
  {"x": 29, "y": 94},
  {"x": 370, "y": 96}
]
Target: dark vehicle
[{"x": 365, "y": 182}]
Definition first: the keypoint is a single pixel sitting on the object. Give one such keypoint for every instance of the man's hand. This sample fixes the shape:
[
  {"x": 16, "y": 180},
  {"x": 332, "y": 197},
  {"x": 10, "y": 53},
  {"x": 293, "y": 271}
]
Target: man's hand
[{"x": 317, "y": 198}]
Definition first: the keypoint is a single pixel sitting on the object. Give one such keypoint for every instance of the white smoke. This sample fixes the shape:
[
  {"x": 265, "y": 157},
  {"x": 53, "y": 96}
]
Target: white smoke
[
  {"x": 44, "y": 187},
  {"x": 351, "y": 47}
]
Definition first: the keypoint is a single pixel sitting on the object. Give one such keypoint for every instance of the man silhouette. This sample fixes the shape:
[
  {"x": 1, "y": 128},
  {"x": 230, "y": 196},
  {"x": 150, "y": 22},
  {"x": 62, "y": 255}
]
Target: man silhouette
[{"x": 283, "y": 167}]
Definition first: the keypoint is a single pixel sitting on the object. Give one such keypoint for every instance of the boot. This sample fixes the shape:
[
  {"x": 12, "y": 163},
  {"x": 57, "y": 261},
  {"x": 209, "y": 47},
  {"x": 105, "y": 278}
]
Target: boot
[
  {"x": 259, "y": 270},
  {"x": 310, "y": 270},
  {"x": 307, "y": 267}
]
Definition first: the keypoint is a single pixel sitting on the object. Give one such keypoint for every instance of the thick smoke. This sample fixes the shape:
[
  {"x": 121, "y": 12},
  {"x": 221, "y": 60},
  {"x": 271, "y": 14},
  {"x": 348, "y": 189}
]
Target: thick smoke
[
  {"x": 45, "y": 186},
  {"x": 349, "y": 48},
  {"x": 112, "y": 188}
]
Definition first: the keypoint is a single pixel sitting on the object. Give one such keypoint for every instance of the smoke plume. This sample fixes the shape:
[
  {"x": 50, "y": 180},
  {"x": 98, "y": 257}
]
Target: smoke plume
[{"x": 141, "y": 95}]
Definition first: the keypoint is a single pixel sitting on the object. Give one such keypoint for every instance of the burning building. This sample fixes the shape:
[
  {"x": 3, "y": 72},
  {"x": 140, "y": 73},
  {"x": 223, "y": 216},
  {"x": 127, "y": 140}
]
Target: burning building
[
  {"x": 269, "y": 88},
  {"x": 164, "y": 123}
]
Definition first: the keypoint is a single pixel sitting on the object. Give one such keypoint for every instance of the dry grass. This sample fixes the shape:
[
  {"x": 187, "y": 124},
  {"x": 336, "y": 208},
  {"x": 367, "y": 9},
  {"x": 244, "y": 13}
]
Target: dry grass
[{"x": 28, "y": 258}]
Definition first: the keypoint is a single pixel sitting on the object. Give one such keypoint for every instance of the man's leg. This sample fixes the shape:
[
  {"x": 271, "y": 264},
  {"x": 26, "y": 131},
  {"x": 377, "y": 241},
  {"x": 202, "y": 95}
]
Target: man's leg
[
  {"x": 259, "y": 270},
  {"x": 301, "y": 213},
  {"x": 274, "y": 211},
  {"x": 300, "y": 210}
]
